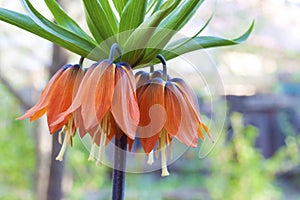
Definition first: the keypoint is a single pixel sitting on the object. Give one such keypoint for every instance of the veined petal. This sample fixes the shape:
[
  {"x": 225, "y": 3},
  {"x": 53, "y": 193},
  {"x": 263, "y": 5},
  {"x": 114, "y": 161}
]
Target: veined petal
[
  {"x": 78, "y": 121},
  {"x": 40, "y": 107},
  {"x": 152, "y": 113},
  {"x": 173, "y": 109},
  {"x": 187, "y": 129},
  {"x": 124, "y": 105},
  {"x": 88, "y": 95},
  {"x": 77, "y": 101},
  {"x": 191, "y": 100},
  {"x": 103, "y": 81},
  {"x": 64, "y": 92}
]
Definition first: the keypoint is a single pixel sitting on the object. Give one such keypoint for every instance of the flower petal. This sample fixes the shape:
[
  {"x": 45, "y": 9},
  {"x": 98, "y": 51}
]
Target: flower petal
[
  {"x": 124, "y": 104},
  {"x": 64, "y": 91},
  {"x": 173, "y": 109},
  {"x": 188, "y": 123},
  {"x": 40, "y": 107},
  {"x": 77, "y": 101},
  {"x": 192, "y": 102},
  {"x": 102, "y": 87},
  {"x": 152, "y": 114}
]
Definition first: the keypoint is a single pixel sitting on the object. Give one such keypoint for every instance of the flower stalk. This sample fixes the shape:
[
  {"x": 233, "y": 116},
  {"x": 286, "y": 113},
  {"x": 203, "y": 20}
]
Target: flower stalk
[{"x": 118, "y": 187}]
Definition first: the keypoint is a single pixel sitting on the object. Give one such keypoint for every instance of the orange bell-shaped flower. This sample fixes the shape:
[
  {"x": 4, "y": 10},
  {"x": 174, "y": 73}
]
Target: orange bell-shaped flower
[
  {"x": 55, "y": 99},
  {"x": 167, "y": 109},
  {"x": 106, "y": 101}
]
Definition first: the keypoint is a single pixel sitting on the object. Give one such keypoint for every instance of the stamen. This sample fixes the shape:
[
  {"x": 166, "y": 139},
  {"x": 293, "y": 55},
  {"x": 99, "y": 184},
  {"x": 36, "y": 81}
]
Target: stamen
[
  {"x": 92, "y": 152},
  {"x": 102, "y": 141},
  {"x": 164, "y": 154},
  {"x": 158, "y": 148},
  {"x": 64, "y": 146},
  {"x": 101, "y": 149},
  {"x": 150, "y": 158},
  {"x": 60, "y": 134}
]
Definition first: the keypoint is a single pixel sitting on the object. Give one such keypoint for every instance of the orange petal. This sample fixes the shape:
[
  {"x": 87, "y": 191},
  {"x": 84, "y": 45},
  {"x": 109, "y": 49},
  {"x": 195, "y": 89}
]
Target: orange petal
[
  {"x": 188, "y": 94},
  {"x": 77, "y": 101},
  {"x": 78, "y": 120},
  {"x": 152, "y": 114},
  {"x": 41, "y": 106},
  {"x": 64, "y": 91},
  {"x": 173, "y": 109},
  {"x": 192, "y": 102},
  {"x": 104, "y": 85},
  {"x": 124, "y": 104},
  {"x": 188, "y": 123}
]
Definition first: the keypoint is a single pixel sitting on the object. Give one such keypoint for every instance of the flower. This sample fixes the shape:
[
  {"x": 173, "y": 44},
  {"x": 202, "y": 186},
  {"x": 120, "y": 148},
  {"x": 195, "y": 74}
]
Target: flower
[
  {"x": 167, "y": 109},
  {"x": 55, "y": 99},
  {"x": 106, "y": 104}
]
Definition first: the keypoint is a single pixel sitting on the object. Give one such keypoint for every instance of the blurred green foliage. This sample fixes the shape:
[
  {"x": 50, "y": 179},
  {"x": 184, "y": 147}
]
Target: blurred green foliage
[
  {"x": 17, "y": 151},
  {"x": 239, "y": 171}
]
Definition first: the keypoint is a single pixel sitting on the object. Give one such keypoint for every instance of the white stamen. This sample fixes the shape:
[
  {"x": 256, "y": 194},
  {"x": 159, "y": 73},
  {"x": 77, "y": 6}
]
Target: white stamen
[
  {"x": 164, "y": 167},
  {"x": 92, "y": 152},
  {"x": 150, "y": 158},
  {"x": 64, "y": 146},
  {"x": 60, "y": 135},
  {"x": 102, "y": 141},
  {"x": 101, "y": 149}
]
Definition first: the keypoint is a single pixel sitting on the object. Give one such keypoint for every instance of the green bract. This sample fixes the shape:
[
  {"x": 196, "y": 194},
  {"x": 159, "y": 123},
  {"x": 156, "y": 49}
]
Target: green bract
[{"x": 143, "y": 29}]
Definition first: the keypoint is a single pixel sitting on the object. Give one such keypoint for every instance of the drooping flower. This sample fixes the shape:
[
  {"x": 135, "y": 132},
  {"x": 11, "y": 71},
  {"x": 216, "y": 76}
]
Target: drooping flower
[
  {"x": 167, "y": 109},
  {"x": 106, "y": 101},
  {"x": 55, "y": 99}
]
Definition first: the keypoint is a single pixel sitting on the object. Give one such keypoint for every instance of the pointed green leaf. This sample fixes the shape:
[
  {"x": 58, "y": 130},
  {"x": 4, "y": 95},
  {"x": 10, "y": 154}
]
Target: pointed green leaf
[
  {"x": 132, "y": 16},
  {"x": 101, "y": 23},
  {"x": 135, "y": 46},
  {"x": 107, "y": 7},
  {"x": 202, "y": 42},
  {"x": 64, "y": 20},
  {"x": 26, "y": 23},
  {"x": 119, "y": 5},
  {"x": 57, "y": 30},
  {"x": 157, "y": 6},
  {"x": 181, "y": 15},
  {"x": 200, "y": 31},
  {"x": 170, "y": 25}
]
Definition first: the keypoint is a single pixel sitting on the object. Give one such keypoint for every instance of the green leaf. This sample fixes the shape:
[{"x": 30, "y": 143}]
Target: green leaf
[
  {"x": 170, "y": 25},
  {"x": 157, "y": 6},
  {"x": 26, "y": 23},
  {"x": 135, "y": 46},
  {"x": 119, "y": 5},
  {"x": 101, "y": 23},
  {"x": 64, "y": 20},
  {"x": 132, "y": 16},
  {"x": 202, "y": 42},
  {"x": 200, "y": 31},
  {"x": 181, "y": 15}
]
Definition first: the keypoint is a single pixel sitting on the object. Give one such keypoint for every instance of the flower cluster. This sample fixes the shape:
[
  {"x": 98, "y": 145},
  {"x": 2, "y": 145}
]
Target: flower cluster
[{"x": 107, "y": 101}]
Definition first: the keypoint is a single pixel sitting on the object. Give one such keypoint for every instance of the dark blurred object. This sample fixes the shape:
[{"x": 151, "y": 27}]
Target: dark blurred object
[{"x": 275, "y": 116}]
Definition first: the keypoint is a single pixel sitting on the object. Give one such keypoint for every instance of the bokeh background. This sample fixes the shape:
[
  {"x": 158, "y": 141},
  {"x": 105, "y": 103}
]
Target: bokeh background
[{"x": 256, "y": 155}]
